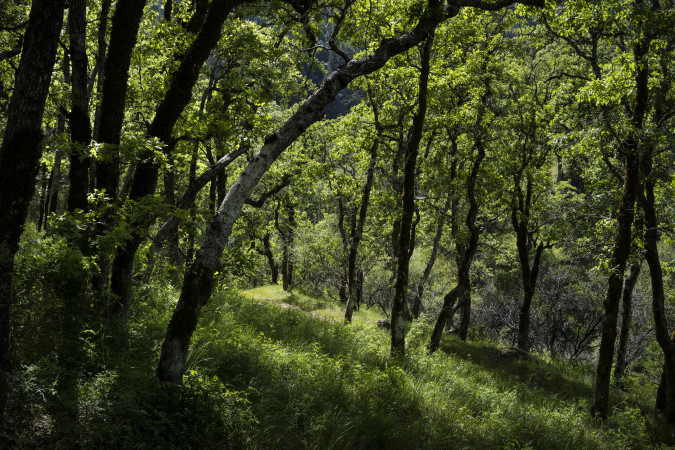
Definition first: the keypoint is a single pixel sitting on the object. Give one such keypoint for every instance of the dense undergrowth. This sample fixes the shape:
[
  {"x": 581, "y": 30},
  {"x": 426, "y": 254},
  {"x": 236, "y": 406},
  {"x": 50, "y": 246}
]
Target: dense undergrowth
[{"x": 275, "y": 370}]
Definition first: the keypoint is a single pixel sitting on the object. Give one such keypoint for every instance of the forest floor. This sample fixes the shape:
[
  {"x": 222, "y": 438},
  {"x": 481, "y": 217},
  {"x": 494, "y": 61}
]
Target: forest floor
[{"x": 312, "y": 381}]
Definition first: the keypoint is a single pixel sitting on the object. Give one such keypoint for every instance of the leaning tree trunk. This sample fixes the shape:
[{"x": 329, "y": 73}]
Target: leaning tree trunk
[
  {"x": 21, "y": 151},
  {"x": 198, "y": 283},
  {"x": 417, "y": 303},
  {"x": 398, "y": 308}
]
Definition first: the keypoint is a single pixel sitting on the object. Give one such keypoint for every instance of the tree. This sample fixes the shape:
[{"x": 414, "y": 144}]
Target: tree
[{"x": 21, "y": 150}]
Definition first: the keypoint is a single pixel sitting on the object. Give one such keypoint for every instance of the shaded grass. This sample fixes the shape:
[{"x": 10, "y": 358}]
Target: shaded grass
[{"x": 319, "y": 384}]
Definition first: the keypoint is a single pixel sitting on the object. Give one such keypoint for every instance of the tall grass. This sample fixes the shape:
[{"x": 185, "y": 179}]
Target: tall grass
[{"x": 317, "y": 383}]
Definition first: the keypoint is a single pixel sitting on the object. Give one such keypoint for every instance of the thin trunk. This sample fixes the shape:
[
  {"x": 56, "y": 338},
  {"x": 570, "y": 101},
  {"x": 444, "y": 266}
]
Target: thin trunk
[
  {"x": 20, "y": 154},
  {"x": 192, "y": 177},
  {"x": 462, "y": 292},
  {"x": 417, "y": 305},
  {"x": 43, "y": 197},
  {"x": 267, "y": 251},
  {"x": 626, "y": 318},
  {"x": 352, "y": 289},
  {"x": 520, "y": 219},
  {"x": 666, "y": 402},
  {"x": 398, "y": 309}
]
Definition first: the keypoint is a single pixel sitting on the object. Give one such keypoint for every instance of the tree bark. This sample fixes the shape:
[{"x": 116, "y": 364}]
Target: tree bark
[
  {"x": 620, "y": 255},
  {"x": 462, "y": 291},
  {"x": 520, "y": 219},
  {"x": 125, "y": 24},
  {"x": 622, "y": 243},
  {"x": 626, "y": 318},
  {"x": 417, "y": 304},
  {"x": 398, "y": 309},
  {"x": 352, "y": 285},
  {"x": 198, "y": 282},
  {"x": 648, "y": 203},
  {"x": 168, "y": 112},
  {"x": 20, "y": 153},
  {"x": 80, "y": 128}
]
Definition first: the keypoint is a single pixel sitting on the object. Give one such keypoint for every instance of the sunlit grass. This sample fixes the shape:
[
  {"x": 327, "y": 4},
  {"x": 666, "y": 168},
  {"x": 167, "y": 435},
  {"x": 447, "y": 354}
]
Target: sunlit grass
[{"x": 320, "y": 384}]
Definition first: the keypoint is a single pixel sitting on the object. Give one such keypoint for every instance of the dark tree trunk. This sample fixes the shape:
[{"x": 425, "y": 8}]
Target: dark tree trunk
[
  {"x": 100, "y": 77},
  {"x": 667, "y": 398},
  {"x": 20, "y": 153},
  {"x": 169, "y": 110},
  {"x": 192, "y": 176},
  {"x": 125, "y": 24},
  {"x": 622, "y": 243},
  {"x": 462, "y": 292},
  {"x": 626, "y": 318},
  {"x": 80, "y": 128},
  {"x": 620, "y": 255},
  {"x": 352, "y": 286},
  {"x": 288, "y": 239},
  {"x": 520, "y": 219},
  {"x": 267, "y": 251},
  {"x": 398, "y": 309},
  {"x": 419, "y": 294}
]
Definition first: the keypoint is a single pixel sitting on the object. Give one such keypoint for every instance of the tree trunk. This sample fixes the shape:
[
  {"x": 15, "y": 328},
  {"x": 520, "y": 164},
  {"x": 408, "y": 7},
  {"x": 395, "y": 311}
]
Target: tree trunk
[
  {"x": 20, "y": 153},
  {"x": 620, "y": 255},
  {"x": 125, "y": 24},
  {"x": 626, "y": 317},
  {"x": 622, "y": 242},
  {"x": 80, "y": 128},
  {"x": 352, "y": 297},
  {"x": 267, "y": 251},
  {"x": 168, "y": 112},
  {"x": 398, "y": 309},
  {"x": 462, "y": 292},
  {"x": 520, "y": 219},
  {"x": 658, "y": 295},
  {"x": 417, "y": 304}
]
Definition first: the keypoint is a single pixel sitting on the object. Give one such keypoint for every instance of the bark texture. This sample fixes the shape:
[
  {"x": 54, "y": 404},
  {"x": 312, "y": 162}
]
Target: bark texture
[
  {"x": 626, "y": 319},
  {"x": 80, "y": 128},
  {"x": 398, "y": 308},
  {"x": 125, "y": 23},
  {"x": 462, "y": 291}
]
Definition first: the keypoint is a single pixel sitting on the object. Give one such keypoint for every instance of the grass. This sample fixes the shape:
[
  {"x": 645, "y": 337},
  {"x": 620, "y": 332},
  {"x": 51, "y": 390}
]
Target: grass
[
  {"x": 315, "y": 383},
  {"x": 269, "y": 369}
]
